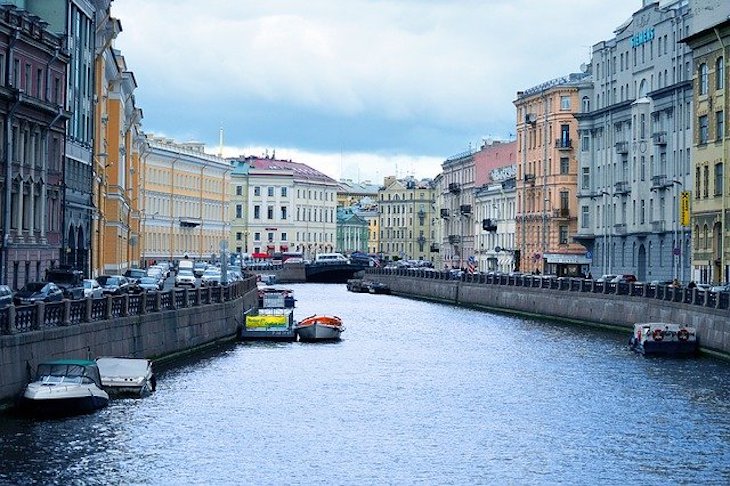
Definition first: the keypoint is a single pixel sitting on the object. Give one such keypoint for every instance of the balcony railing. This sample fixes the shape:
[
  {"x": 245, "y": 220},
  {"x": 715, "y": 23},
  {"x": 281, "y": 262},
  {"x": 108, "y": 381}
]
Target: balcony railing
[
  {"x": 622, "y": 147},
  {"x": 454, "y": 187},
  {"x": 622, "y": 187},
  {"x": 564, "y": 144},
  {"x": 454, "y": 239},
  {"x": 660, "y": 138},
  {"x": 444, "y": 213},
  {"x": 465, "y": 209},
  {"x": 561, "y": 213},
  {"x": 660, "y": 182},
  {"x": 657, "y": 226},
  {"x": 530, "y": 178},
  {"x": 619, "y": 228}
]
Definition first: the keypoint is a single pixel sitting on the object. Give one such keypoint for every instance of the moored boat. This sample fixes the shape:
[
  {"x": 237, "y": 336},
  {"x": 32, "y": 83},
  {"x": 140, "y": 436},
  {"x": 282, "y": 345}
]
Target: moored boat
[
  {"x": 661, "y": 338},
  {"x": 270, "y": 324},
  {"x": 127, "y": 376},
  {"x": 319, "y": 328},
  {"x": 64, "y": 387},
  {"x": 271, "y": 297}
]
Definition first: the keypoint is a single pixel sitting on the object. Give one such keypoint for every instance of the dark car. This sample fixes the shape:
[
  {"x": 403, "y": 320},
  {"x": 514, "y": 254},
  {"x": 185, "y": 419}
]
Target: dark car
[
  {"x": 114, "y": 284},
  {"x": 149, "y": 284},
  {"x": 33, "y": 292},
  {"x": 6, "y": 296},
  {"x": 135, "y": 274}
]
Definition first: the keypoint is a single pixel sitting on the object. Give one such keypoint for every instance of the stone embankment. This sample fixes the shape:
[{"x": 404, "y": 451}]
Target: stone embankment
[
  {"x": 586, "y": 301},
  {"x": 155, "y": 326}
]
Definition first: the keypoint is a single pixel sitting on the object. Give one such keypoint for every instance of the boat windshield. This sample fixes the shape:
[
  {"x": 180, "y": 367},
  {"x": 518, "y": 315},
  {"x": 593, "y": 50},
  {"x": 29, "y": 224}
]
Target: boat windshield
[{"x": 68, "y": 373}]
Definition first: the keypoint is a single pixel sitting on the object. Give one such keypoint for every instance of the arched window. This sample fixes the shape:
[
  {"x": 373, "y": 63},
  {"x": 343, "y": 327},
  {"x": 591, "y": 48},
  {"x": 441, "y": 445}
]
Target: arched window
[
  {"x": 702, "y": 81},
  {"x": 720, "y": 73},
  {"x": 586, "y": 104},
  {"x": 705, "y": 235},
  {"x": 642, "y": 88},
  {"x": 697, "y": 237}
]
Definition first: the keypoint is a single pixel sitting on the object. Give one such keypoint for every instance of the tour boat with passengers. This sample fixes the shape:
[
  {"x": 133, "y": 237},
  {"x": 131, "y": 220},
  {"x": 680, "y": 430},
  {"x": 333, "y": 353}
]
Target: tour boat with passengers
[
  {"x": 64, "y": 387},
  {"x": 319, "y": 328},
  {"x": 661, "y": 338}
]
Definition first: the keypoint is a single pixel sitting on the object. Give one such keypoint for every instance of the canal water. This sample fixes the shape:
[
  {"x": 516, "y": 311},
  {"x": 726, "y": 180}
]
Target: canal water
[{"x": 416, "y": 392}]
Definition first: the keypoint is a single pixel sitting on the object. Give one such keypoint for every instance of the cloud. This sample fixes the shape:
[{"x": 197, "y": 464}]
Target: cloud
[{"x": 314, "y": 72}]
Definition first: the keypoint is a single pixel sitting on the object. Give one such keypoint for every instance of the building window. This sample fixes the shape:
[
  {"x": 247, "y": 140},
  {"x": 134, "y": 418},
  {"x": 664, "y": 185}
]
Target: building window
[
  {"x": 565, "y": 102},
  {"x": 720, "y": 73},
  {"x": 283, "y": 237},
  {"x": 270, "y": 212},
  {"x": 239, "y": 211},
  {"x": 585, "y": 143},
  {"x": 718, "y": 179},
  {"x": 585, "y": 217},
  {"x": 564, "y": 165},
  {"x": 239, "y": 190},
  {"x": 586, "y": 104},
  {"x": 283, "y": 212},
  {"x": 270, "y": 237},
  {"x": 586, "y": 179},
  {"x": 257, "y": 212},
  {"x": 563, "y": 235},
  {"x": 256, "y": 191},
  {"x": 643, "y": 168},
  {"x": 703, "y": 129},
  {"x": 283, "y": 192},
  {"x": 706, "y": 181},
  {"x": 239, "y": 236},
  {"x": 719, "y": 125},
  {"x": 702, "y": 81},
  {"x": 270, "y": 191},
  {"x": 257, "y": 236}
]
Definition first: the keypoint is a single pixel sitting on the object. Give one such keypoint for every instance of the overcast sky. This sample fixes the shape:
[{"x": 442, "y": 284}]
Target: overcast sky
[{"x": 359, "y": 89}]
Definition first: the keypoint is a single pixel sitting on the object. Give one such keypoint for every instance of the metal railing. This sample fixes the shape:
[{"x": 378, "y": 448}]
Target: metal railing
[
  {"x": 69, "y": 312},
  {"x": 669, "y": 293}
]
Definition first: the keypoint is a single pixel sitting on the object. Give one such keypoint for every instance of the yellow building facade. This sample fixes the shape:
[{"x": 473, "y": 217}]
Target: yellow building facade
[
  {"x": 186, "y": 201},
  {"x": 116, "y": 185}
]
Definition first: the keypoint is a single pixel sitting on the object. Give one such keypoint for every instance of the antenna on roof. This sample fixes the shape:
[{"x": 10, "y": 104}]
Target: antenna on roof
[{"x": 220, "y": 141}]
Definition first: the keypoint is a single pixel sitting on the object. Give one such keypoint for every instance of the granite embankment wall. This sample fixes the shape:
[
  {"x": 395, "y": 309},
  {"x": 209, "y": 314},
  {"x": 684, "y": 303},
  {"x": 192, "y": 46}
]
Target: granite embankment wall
[
  {"x": 618, "y": 311},
  {"x": 160, "y": 334}
]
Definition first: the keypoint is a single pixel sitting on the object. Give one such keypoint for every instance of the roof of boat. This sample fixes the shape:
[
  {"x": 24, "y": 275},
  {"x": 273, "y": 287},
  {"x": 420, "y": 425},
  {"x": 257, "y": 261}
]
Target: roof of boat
[{"x": 77, "y": 362}]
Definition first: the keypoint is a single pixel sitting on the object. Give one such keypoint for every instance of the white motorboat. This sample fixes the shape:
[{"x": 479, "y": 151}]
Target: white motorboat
[
  {"x": 64, "y": 387},
  {"x": 127, "y": 376},
  {"x": 663, "y": 338},
  {"x": 319, "y": 328}
]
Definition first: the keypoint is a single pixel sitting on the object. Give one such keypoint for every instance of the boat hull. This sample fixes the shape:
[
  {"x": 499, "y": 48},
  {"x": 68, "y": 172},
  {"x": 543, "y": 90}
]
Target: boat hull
[
  {"x": 318, "y": 332},
  {"x": 671, "y": 348},
  {"x": 49, "y": 400}
]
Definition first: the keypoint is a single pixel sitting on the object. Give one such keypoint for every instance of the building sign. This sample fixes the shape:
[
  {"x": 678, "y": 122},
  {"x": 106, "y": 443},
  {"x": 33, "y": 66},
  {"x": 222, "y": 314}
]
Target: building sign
[
  {"x": 645, "y": 35},
  {"x": 684, "y": 208}
]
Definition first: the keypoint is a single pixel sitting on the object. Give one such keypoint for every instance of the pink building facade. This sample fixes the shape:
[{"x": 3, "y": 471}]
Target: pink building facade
[{"x": 492, "y": 156}]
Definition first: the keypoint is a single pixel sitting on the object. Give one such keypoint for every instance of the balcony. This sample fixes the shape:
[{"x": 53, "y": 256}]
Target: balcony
[
  {"x": 564, "y": 144},
  {"x": 421, "y": 239},
  {"x": 454, "y": 239},
  {"x": 190, "y": 222},
  {"x": 444, "y": 213},
  {"x": 622, "y": 147},
  {"x": 619, "y": 228},
  {"x": 454, "y": 188},
  {"x": 561, "y": 213},
  {"x": 434, "y": 248},
  {"x": 657, "y": 226},
  {"x": 660, "y": 182},
  {"x": 660, "y": 138},
  {"x": 465, "y": 209},
  {"x": 489, "y": 225},
  {"x": 530, "y": 178},
  {"x": 622, "y": 187}
]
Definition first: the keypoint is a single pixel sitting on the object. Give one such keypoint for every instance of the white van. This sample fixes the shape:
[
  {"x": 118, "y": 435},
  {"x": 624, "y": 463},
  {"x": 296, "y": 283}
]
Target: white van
[
  {"x": 331, "y": 258},
  {"x": 185, "y": 265}
]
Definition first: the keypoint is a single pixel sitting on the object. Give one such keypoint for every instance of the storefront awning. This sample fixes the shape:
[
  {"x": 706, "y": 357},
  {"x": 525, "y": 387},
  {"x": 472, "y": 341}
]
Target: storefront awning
[{"x": 567, "y": 258}]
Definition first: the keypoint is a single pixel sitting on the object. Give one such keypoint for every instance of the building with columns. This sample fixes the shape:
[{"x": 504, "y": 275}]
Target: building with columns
[
  {"x": 352, "y": 231},
  {"x": 547, "y": 168},
  {"x": 457, "y": 202},
  {"x": 406, "y": 218},
  {"x": 635, "y": 138},
  {"x": 710, "y": 202},
  {"x": 116, "y": 238},
  {"x": 32, "y": 118},
  {"x": 186, "y": 201}
]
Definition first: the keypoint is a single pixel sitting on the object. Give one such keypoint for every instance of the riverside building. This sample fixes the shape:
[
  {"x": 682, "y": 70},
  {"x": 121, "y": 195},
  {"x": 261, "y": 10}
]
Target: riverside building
[
  {"x": 709, "y": 42},
  {"x": 185, "y": 192},
  {"x": 635, "y": 139},
  {"x": 547, "y": 168}
]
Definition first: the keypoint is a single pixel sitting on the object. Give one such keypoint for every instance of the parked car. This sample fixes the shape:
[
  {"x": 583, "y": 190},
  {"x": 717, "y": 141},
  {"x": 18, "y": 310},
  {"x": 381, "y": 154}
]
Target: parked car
[
  {"x": 625, "y": 278},
  {"x": 114, "y": 284},
  {"x": 134, "y": 274},
  {"x": 157, "y": 273},
  {"x": 720, "y": 288},
  {"x": 149, "y": 284},
  {"x": 92, "y": 288},
  {"x": 70, "y": 281},
  {"x": 199, "y": 268},
  {"x": 211, "y": 276},
  {"x": 6, "y": 296},
  {"x": 606, "y": 278},
  {"x": 33, "y": 292},
  {"x": 185, "y": 278}
]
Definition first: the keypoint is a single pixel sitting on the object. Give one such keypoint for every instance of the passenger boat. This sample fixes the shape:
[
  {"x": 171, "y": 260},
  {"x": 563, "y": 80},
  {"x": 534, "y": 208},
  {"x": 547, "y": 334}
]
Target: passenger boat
[
  {"x": 661, "y": 338},
  {"x": 268, "y": 324},
  {"x": 127, "y": 376},
  {"x": 273, "y": 298},
  {"x": 319, "y": 328},
  {"x": 64, "y": 387},
  {"x": 376, "y": 287}
]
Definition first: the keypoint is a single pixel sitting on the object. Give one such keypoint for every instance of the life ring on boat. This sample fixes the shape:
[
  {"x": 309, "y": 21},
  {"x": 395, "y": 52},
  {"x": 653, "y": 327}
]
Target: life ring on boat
[
  {"x": 683, "y": 334},
  {"x": 657, "y": 335}
]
